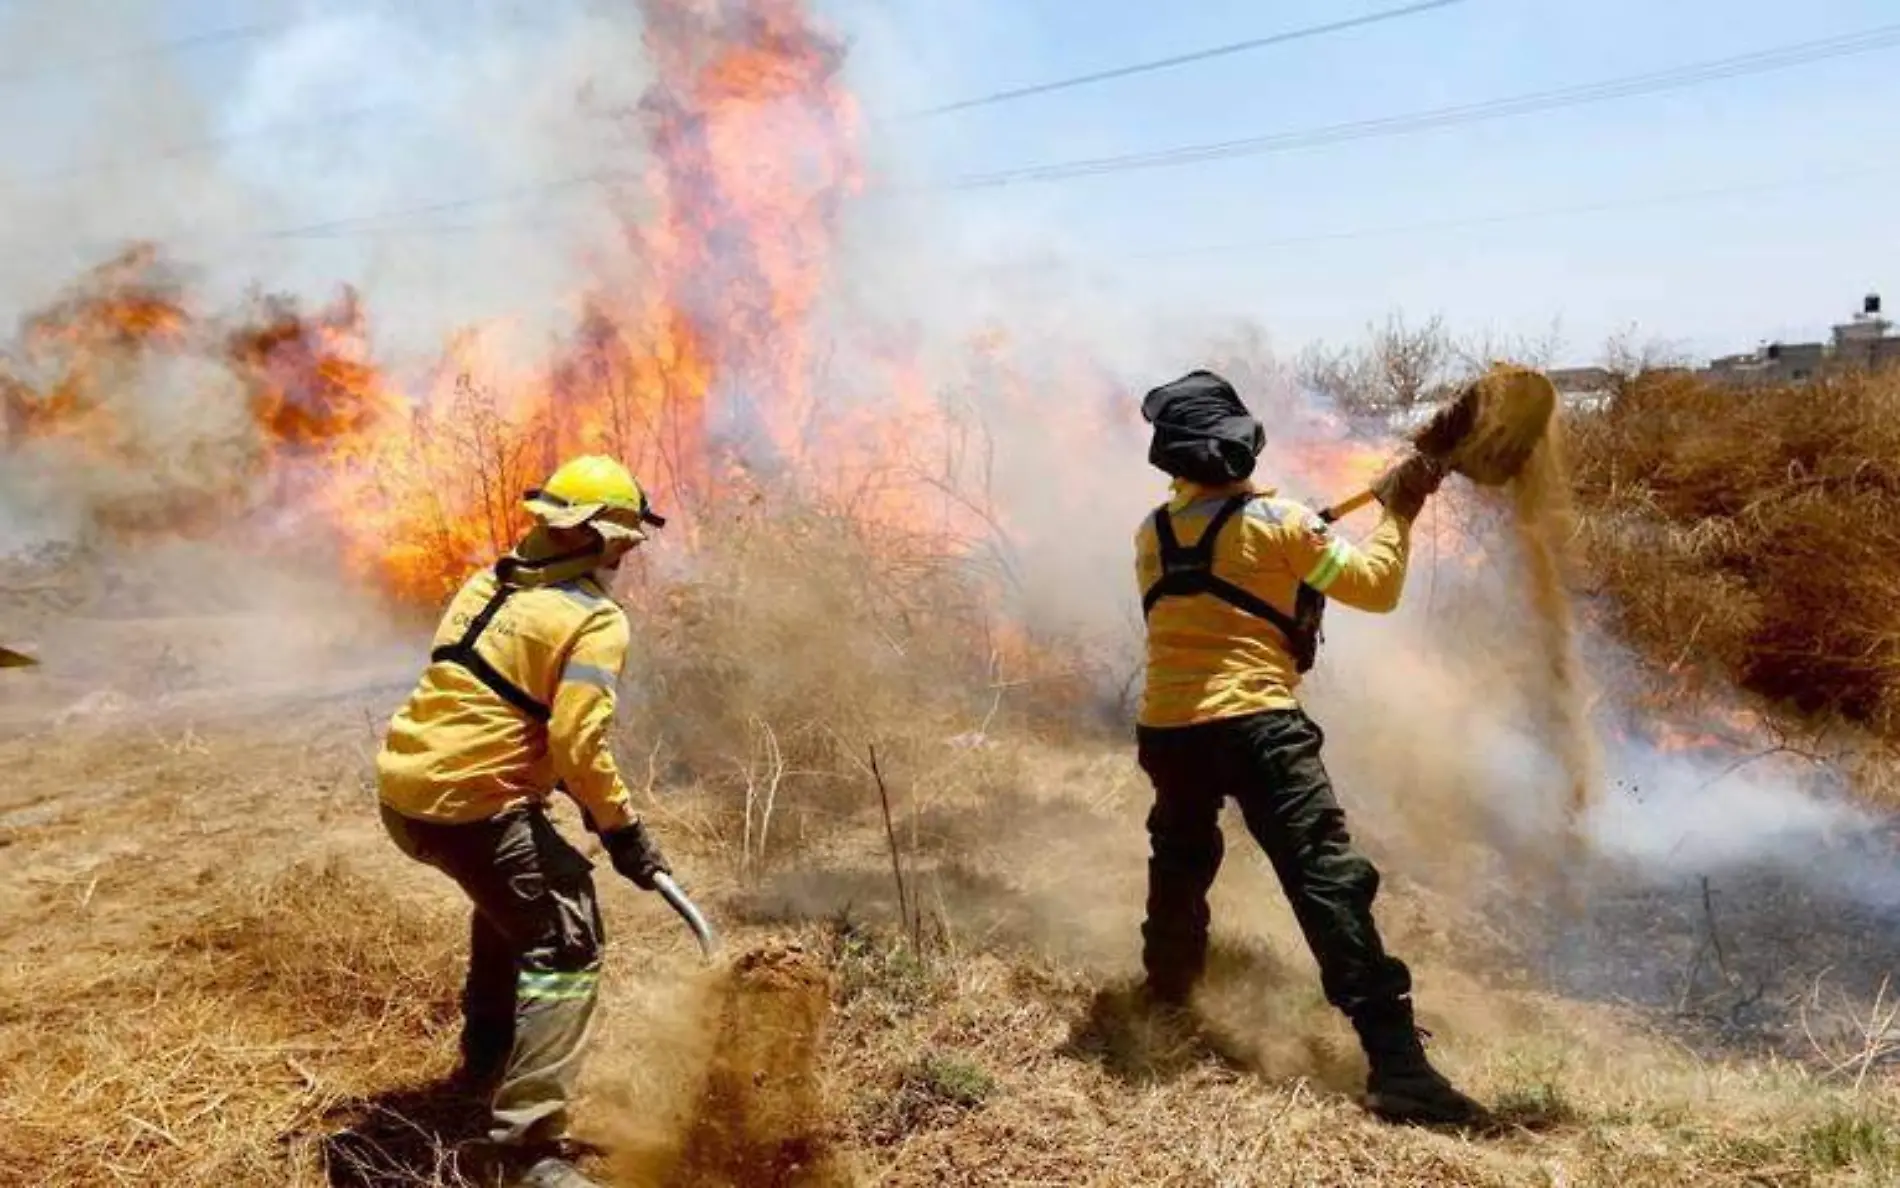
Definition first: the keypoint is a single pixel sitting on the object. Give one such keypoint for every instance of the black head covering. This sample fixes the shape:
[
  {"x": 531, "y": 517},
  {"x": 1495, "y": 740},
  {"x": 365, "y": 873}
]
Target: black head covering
[{"x": 1203, "y": 433}]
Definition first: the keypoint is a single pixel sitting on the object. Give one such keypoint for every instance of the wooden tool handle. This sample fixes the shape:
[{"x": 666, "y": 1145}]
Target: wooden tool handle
[{"x": 1347, "y": 507}]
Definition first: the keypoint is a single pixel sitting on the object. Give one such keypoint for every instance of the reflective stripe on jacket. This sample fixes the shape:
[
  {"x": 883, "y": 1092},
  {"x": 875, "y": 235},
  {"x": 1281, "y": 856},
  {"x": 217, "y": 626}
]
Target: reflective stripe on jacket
[
  {"x": 459, "y": 751},
  {"x": 1208, "y": 660}
]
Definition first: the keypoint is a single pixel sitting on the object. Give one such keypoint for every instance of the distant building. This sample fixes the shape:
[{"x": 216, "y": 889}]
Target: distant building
[
  {"x": 1583, "y": 386},
  {"x": 1866, "y": 343}
]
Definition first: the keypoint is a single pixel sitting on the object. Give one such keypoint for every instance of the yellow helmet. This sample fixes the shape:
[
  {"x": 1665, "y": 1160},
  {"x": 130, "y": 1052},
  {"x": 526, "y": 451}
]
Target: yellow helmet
[{"x": 592, "y": 488}]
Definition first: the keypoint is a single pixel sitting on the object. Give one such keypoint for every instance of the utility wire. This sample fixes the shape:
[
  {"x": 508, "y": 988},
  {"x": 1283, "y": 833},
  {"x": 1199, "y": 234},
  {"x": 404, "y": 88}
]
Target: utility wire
[
  {"x": 159, "y": 49},
  {"x": 358, "y": 228},
  {"x": 1760, "y": 62},
  {"x": 361, "y": 224},
  {"x": 183, "y": 45},
  {"x": 1232, "y": 47},
  {"x": 349, "y": 229},
  {"x": 279, "y": 130},
  {"x": 1677, "y": 198}
]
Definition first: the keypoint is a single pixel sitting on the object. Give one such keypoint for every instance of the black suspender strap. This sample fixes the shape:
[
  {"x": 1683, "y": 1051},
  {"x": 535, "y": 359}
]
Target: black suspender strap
[
  {"x": 1187, "y": 571},
  {"x": 462, "y": 652}
]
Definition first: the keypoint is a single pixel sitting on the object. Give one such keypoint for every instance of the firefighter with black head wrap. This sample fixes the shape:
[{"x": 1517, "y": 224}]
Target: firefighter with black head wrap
[{"x": 1233, "y": 581}]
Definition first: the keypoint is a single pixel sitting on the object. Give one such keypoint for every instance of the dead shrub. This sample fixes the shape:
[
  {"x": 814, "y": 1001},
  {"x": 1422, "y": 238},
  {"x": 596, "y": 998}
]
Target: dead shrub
[
  {"x": 801, "y": 637},
  {"x": 1753, "y": 533}
]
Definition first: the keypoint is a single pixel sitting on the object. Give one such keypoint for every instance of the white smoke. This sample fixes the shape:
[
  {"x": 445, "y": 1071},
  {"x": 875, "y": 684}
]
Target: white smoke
[
  {"x": 1711, "y": 812},
  {"x": 481, "y": 168},
  {"x": 458, "y": 163}
]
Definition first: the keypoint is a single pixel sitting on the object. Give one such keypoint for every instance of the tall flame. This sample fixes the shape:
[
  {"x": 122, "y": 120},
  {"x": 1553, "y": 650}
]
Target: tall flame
[
  {"x": 698, "y": 353},
  {"x": 693, "y": 359}
]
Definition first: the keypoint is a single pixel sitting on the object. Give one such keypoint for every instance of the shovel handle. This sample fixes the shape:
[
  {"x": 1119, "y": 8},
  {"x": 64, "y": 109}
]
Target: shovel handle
[
  {"x": 677, "y": 900},
  {"x": 1348, "y": 506}
]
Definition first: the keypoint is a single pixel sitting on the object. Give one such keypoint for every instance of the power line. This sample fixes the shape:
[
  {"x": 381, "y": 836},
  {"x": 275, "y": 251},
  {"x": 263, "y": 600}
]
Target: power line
[
  {"x": 443, "y": 230},
  {"x": 190, "y": 43},
  {"x": 1760, "y": 62},
  {"x": 356, "y": 227},
  {"x": 1232, "y": 47},
  {"x": 160, "y": 49},
  {"x": 1677, "y": 198},
  {"x": 197, "y": 148},
  {"x": 361, "y": 224}
]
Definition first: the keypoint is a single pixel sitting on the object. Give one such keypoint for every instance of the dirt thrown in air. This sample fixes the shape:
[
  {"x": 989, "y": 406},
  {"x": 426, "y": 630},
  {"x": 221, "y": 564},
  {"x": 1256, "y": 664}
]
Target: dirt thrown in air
[
  {"x": 1544, "y": 523},
  {"x": 760, "y": 1118}
]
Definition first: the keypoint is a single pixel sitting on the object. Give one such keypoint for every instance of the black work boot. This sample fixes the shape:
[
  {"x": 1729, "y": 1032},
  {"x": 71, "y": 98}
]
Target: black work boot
[{"x": 1402, "y": 1085}]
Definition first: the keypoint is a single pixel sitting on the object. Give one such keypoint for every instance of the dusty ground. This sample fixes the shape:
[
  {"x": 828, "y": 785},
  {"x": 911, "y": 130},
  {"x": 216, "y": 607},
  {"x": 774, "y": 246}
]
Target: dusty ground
[{"x": 214, "y": 971}]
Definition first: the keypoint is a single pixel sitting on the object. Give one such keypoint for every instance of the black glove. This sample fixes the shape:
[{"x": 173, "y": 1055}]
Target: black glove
[
  {"x": 1405, "y": 488},
  {"x": 635, "y": 855}
]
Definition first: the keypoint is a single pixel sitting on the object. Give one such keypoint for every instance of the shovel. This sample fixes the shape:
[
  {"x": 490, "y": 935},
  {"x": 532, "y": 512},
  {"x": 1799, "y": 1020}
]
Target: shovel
[
  {"x": 677, "y": 900},
  {"x": 12, "y": 659},
  {"x": 1487, "y": 433}
]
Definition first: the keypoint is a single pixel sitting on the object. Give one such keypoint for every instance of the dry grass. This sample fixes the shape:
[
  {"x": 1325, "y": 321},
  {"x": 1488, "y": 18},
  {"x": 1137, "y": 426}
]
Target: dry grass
[
  {"x": 1754, "y": 535},
  {"x": 212, "y": 1050},
  {"x": 268, "y": 999},
  {"x": 215, "y": 971},
  {"x": 987, "y": 1070},
  {"x": 803, "y": 640}
]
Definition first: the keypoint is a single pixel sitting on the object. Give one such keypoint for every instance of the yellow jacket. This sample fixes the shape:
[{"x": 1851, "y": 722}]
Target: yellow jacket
[
  {"x": 460, "y": 750},
  {"x": 1208, "y": 660}
]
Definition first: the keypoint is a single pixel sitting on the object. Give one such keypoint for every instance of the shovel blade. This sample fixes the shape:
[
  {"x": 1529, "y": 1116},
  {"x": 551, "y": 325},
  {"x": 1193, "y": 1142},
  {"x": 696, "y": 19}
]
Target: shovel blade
[
  {"x": 689, "y": 912},
  {"x": 1490, "y": 431}
]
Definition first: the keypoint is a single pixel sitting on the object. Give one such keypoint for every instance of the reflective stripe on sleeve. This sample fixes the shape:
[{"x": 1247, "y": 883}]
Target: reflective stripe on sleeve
[
  {"x": 588, "y": 674},
  {"x": 1331, "y": 564},
  {"x": 556, "y": 986}
]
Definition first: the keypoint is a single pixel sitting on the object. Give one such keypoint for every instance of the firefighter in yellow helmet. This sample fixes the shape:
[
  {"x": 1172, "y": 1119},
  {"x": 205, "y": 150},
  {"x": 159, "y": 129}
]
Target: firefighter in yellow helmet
[{"x": 517, "y": 700}]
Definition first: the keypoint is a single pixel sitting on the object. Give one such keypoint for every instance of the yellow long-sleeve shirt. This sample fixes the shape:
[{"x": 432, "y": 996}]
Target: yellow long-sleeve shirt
[
  {"x": 458, "y": 751},
  {"x": 1208, "y": 660}
]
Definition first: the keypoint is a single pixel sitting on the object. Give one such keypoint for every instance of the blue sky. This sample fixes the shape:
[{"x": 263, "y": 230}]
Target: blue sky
[
  {"x": 1740, "y": 210},
  {"x": 1813, "y": 145}
]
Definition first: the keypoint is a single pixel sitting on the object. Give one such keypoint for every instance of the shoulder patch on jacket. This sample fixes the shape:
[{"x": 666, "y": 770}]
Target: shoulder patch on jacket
[
  {"x": 577, "y": 593},
  {"x": 1267, "y": 511}
]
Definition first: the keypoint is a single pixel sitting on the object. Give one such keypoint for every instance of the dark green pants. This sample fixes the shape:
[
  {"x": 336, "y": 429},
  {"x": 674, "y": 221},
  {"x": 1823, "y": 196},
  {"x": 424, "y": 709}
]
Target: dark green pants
[
  {"x": 534, "y": 957},
  {"x": 1269, "y": 764}
]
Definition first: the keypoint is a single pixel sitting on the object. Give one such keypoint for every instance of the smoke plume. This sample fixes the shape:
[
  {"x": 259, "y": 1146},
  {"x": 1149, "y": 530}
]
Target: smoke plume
[{"x": 683, "y": 231}]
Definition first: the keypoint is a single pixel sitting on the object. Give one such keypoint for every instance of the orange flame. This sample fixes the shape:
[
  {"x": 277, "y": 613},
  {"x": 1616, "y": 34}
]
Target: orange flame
[
  {"x": 695, "y": 356},
  {"x": 78, "y": 349},
  {"x": 311, "y": 380}
]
